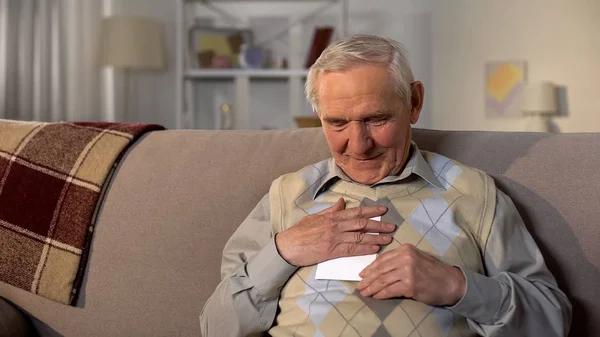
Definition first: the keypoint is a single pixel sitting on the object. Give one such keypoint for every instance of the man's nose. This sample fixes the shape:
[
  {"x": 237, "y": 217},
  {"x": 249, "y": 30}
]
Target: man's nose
[{"x": 359, "y": 139}]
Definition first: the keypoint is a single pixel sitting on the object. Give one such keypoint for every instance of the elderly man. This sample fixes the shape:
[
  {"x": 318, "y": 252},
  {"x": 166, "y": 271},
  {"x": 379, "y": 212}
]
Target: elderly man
[{"x": 453, "y": 255}]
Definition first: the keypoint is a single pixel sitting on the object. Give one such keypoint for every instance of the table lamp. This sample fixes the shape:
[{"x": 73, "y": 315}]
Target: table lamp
[
  {"x": 131, "y": 43},
  {"x": 540, "y": 103}
]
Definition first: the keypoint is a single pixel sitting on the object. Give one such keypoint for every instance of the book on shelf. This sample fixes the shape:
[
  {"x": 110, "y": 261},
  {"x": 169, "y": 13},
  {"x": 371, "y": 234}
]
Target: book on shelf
[{"x": 321, "y": 39}]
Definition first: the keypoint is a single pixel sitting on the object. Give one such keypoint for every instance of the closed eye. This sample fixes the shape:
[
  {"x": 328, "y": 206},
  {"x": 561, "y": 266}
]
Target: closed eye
[
  {"x": 336, "y": 123},
  {"x": 377, "y": 121}
]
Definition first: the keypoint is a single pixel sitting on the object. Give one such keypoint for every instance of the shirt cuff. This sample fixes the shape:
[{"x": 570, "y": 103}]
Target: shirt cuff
[
  {"x": 482, "y": 300},
  {"x": 268, "y": 271}
]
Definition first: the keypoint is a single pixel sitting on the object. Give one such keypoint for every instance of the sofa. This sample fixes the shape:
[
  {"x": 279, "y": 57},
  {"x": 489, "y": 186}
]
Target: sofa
[{"x": 177, "y": 196}]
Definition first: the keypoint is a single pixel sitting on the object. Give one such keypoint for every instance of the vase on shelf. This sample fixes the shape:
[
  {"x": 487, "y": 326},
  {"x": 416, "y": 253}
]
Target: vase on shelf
[{"x": 251, "y": 57}]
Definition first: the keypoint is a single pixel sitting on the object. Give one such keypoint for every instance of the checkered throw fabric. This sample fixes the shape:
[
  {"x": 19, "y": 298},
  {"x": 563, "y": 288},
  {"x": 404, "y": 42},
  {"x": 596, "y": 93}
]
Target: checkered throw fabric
[
  {"x": 449, "y": 222},
  {"x": 51, "y": 179}
]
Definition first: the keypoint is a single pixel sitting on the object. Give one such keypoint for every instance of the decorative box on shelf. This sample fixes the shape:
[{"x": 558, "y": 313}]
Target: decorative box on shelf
[{"x": 307, "y": 121}]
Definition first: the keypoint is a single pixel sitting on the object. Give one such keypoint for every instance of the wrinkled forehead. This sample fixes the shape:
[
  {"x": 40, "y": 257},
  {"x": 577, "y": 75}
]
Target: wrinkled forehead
[{"x": 357, "y": 91}]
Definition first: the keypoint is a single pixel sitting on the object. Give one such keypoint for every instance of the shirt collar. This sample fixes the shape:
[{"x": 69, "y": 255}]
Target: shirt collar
[{"x": 416, "y": 165}]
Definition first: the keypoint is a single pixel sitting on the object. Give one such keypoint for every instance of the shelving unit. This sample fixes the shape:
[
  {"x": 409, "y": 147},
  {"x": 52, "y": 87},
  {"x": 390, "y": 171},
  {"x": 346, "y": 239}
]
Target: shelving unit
[
  {"x": 186, "y": 77},
  {"x": 197, "y": 74}
]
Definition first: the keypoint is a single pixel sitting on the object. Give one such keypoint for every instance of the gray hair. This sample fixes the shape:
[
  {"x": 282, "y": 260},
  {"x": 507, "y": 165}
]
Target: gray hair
[{"x": 371, "y": 49}]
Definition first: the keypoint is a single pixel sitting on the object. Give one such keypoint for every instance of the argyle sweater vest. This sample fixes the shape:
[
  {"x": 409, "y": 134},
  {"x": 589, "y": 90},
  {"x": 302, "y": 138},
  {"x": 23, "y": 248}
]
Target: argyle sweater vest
[{"x": 450, "y": 223}]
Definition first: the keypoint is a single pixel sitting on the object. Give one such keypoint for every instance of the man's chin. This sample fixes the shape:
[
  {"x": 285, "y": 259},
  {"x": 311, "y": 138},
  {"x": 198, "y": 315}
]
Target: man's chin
[
  {"x": 365, "y": 172},
  {"x": 365, "y": 177}
]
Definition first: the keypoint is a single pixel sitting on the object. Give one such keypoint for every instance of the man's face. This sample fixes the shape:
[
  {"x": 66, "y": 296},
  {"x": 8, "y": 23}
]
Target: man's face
[{"x": 366, "y": 124}]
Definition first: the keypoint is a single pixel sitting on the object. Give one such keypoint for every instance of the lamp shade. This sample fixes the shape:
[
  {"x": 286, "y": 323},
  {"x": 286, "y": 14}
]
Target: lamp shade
[
  {"x": 540, "y": 98},
  {"x": 131, "y": 42}
]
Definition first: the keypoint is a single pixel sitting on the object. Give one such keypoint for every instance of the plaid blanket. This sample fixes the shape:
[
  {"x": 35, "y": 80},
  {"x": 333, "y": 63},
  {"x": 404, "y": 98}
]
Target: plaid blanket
[{"x": 51, "y": 179}]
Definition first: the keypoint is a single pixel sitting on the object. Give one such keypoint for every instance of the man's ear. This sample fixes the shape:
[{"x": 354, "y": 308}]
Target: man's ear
[{"x": 417, "y": 96}]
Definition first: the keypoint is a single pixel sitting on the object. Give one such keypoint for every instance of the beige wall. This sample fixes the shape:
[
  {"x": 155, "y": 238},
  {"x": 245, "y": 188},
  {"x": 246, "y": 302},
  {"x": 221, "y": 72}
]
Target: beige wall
[{"x": 559, "y": 39}]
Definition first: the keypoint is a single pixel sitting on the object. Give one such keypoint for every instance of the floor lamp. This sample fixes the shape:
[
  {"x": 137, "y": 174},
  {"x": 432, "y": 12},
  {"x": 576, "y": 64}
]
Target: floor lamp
[{"x": 131, "y": 43}]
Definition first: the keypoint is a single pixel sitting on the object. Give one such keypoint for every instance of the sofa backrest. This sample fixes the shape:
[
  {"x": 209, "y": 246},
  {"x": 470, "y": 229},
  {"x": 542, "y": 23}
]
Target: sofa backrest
[{"x": 178, "y": 196}]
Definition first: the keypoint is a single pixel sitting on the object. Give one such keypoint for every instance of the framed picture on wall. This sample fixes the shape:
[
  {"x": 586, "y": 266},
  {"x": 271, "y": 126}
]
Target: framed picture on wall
[{"x": 504, "y": 85}]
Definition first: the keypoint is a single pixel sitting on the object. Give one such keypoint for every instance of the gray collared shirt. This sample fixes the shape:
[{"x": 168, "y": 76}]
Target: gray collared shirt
[
  {"x": 416, "y": 165},
  {"x": 517, "y": 296}
]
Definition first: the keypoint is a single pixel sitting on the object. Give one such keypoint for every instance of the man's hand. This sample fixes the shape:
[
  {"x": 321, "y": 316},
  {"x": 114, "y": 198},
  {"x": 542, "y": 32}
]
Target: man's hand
[
  {"x": 332, "y": 233},
  {"x": 408, "y": 272}
]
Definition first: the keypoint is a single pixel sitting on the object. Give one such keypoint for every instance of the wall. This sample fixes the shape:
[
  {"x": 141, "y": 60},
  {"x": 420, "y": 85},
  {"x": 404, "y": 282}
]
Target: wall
[
  {"x": 153, "y": 94},
  {"x": 558, "y": 38}
]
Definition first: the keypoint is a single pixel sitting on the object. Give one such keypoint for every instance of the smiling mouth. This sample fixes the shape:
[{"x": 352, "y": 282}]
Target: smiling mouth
[{"x": 367, "y": 159}]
